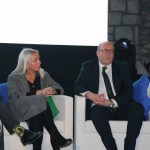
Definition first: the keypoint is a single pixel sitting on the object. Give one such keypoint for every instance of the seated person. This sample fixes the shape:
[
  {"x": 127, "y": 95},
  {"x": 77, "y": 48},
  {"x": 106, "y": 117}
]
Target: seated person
[
  {"x": 12, "y": 125},
  {"x": 108, "y": 89},
  {"x": 29, "y": 87}
]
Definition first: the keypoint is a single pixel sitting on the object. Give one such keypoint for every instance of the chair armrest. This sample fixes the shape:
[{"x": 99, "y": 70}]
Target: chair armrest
[
  {"x": 65, "y": 106},
  {"x": 79, "y": 120},
  {"x": 80, "y": 104}
]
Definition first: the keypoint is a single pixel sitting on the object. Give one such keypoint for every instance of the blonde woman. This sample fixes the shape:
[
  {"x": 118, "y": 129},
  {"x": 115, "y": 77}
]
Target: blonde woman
[{"x": 28, "y": 87}]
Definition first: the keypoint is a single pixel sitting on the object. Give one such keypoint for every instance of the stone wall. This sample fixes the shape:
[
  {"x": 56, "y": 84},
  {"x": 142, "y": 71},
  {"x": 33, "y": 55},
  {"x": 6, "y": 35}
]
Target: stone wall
[
  {"x": 145, "y": 30},
  {"x": 131, "y": 19}
]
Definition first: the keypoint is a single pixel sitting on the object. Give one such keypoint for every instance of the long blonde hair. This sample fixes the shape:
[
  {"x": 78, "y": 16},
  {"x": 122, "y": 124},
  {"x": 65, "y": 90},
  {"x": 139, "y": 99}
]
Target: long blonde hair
[{"x": 24, "y": 57}]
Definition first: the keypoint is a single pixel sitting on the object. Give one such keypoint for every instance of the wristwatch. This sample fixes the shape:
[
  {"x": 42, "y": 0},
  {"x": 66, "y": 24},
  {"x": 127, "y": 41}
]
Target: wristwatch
[{"x": 111, "y": 106}]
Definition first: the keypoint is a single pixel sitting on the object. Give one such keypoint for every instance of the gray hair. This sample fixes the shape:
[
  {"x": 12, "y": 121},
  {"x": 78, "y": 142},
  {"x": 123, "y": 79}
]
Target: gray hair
[
  {"x": 23, "y": 60},
  {"x": 103, "y": 43}
]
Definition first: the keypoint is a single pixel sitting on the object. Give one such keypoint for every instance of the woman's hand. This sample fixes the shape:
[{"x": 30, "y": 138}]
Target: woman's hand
[
  {"x": 49, "y": 91},
  {"x": 46, "y": 91}
]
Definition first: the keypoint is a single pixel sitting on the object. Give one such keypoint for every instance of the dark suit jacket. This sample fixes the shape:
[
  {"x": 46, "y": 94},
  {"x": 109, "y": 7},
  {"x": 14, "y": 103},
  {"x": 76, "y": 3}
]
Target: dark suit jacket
[{"x": 88, "y": 80}]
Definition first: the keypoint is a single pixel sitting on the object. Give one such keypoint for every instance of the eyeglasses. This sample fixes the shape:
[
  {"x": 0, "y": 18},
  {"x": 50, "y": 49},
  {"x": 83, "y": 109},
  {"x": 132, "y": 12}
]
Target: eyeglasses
[{"x": 106, "y": 51}]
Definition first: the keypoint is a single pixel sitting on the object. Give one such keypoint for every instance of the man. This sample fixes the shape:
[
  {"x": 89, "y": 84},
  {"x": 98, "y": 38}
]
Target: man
[
  {"x": 12, "y": 125},
  {"x": 107, "y": 86}
]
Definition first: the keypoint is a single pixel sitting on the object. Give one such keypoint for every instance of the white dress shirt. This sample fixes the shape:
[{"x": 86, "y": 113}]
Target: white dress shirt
[{"x": 102, "y": 88}]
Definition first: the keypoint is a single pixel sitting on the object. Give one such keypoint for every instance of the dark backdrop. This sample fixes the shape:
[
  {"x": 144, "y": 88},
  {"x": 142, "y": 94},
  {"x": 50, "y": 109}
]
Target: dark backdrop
[{"x": 62, "y": 62}]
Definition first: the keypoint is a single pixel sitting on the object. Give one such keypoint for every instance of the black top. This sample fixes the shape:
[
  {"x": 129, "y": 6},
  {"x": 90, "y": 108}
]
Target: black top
[{"x": 34, "y": 86}]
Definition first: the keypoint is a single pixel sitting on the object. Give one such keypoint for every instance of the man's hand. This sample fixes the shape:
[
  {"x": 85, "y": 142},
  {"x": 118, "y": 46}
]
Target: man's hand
[
  {"x": 95, "y": 98},
  {"x": 98, "y": 99}
]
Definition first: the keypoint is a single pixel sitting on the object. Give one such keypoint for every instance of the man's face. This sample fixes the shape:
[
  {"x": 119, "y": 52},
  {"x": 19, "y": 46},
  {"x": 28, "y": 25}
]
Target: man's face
[{"x": 105, "y": 53}]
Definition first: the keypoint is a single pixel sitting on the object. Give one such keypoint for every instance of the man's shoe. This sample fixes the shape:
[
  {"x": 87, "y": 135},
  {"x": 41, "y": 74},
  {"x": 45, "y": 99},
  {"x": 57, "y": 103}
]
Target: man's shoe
[
  {"x": 29, "y": 137},
  {"x": 66, "y": 143}
]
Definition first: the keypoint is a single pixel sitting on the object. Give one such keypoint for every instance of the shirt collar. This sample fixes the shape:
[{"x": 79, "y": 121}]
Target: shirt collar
[{"x": 108, "y": 66}]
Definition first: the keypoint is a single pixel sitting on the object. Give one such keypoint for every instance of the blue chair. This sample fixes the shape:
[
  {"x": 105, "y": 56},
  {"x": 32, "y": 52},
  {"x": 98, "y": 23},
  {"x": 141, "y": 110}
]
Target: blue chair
[{"x": 4, "y": 92}]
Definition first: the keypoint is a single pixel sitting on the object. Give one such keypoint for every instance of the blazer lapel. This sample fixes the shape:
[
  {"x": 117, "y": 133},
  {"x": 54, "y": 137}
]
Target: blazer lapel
[
  {"x": 23, "y": 83},
  {"x": 95, "y": 77},
  {"x": 114, "y": 75}
]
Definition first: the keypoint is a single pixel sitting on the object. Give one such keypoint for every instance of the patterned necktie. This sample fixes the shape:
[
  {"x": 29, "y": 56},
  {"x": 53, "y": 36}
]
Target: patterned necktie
[{"x": 107, "y": 84}]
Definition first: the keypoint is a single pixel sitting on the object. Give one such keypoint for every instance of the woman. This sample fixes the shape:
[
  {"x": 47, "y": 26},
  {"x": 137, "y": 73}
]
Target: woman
[{"x": 28, "y": 89}]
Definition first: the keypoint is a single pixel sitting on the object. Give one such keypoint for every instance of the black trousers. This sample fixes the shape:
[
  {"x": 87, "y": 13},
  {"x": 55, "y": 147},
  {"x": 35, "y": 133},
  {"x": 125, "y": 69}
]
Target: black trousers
[
  {"x": 45, "y": 119},
  {"x": 133, "y": 113},
  {"x": 8, "y": 121}
]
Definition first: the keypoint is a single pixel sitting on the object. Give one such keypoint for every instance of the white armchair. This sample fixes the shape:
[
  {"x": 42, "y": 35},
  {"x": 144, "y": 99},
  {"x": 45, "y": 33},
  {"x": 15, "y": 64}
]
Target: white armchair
[
  {"x": 63, "y": 121},
  {"x": 86, "y": 137}
]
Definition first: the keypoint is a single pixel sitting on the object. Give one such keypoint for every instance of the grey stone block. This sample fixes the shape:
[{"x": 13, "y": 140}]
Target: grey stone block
[
  {"x": 114, "y": 19},
  {"x": 118, "y": 5},
  {"x": 131, "y": 19},
  {"x": 124, "y": 32},
  {"x": 133, "y": 6}
]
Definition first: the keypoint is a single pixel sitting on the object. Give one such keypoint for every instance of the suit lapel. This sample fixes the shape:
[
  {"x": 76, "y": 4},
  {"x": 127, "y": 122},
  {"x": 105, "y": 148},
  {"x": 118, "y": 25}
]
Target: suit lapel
[
  {"x": 114, "y": 75},
  {"x": 95, "y": 77}
]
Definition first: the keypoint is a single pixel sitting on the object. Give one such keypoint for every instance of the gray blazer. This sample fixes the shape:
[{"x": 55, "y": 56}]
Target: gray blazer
[{"x": 24, "y": 107}]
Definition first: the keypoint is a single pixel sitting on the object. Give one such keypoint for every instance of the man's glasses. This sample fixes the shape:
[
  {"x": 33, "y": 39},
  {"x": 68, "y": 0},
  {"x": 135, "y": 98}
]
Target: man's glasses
[{"x": 106, "y": 51}]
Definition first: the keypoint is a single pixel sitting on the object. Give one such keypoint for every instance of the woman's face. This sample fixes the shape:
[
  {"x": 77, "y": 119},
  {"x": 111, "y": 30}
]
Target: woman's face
[{"x": 34, "y": 63}]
